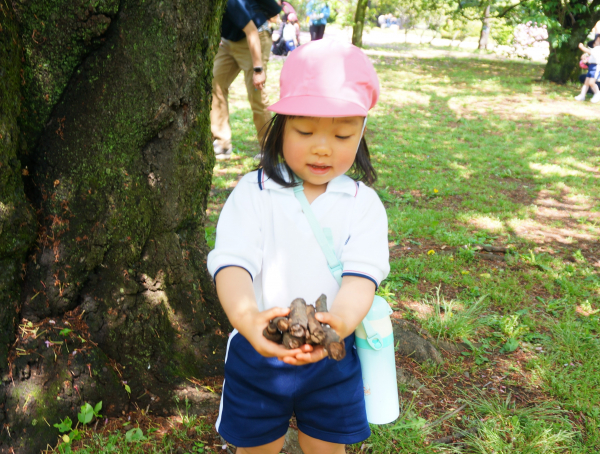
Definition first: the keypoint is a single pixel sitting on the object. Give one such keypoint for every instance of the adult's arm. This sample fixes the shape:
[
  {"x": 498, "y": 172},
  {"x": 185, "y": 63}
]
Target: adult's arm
[{"x": 258, "y": 79}]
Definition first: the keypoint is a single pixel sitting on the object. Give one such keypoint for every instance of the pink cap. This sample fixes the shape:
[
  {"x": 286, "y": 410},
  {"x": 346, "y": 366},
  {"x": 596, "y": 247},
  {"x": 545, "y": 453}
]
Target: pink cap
[
  {"x": 327, "y": 78},
  {"x": 292, "y": 17}
]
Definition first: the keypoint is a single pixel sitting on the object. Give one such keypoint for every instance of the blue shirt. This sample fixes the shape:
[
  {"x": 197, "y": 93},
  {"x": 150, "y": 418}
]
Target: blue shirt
[
  {"x": 239, "y": 12},
  {"x": 318, "y": 8}
]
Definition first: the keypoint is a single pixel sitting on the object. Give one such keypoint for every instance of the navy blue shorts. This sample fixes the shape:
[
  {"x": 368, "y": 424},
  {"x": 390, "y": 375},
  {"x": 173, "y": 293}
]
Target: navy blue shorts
[
  {"x": 261, "y": 394},
  {"x": 593, "y": 71}
]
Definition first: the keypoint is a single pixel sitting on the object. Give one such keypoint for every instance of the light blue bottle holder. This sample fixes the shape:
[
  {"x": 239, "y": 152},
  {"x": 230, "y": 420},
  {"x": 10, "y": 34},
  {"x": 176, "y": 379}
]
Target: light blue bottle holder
[
  {"x": 374, "y": 337},
  {"x": 374, "y": 340}
]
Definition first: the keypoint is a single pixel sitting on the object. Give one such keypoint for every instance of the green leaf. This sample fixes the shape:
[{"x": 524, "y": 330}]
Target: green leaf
[
  {"x": 65, "y": 331},
  {"x": 64, "y": 425},
  {"x": 479, "y": 360},
  {"x": 75, "y": 435},
  {"x": 97, "y": 409},
  {"x": 65, "y": 448},
  {"x": 511, "y": 345},
  {"x": 415, "y": 424},
  {"x": 86, "y": 414},
  {"x": 135, "y": 434},
  {"x": 128, "y": 389}
]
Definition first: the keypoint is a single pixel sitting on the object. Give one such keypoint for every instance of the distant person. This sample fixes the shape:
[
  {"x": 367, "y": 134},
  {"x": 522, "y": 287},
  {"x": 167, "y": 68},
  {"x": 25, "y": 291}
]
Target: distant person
[
  {"x": 245, "y": 46},
  {"x": 291, "y": 32},
  {"x": 287, "y": 8},
  {"x": 593, "y": 73},
  {"x": 318, "y": 13}
]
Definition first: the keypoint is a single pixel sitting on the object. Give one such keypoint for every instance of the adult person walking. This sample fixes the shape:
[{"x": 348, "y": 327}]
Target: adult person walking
[
  {"x": 245, "y": 46},
  {"x": 318, "y": 12}
]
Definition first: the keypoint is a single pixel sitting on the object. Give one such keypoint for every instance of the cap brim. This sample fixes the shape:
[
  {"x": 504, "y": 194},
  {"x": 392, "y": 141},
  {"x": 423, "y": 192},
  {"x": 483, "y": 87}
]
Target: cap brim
[{"x": 317, "y": 106}]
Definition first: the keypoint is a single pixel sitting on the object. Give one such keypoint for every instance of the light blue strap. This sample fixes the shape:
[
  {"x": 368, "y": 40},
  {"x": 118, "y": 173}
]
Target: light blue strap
[
  {"x": 364, "y": 343},
  {"x": 373, "y": 337},
  {"x": 335, "y": 266}
]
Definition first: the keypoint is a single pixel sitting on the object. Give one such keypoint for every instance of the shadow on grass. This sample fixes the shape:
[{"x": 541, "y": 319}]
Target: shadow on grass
[{"x": 479, "y": 145}]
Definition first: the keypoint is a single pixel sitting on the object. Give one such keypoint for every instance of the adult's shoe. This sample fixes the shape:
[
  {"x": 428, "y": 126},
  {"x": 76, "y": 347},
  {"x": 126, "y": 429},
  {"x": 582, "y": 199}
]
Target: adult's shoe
[{"x": 220, "y": 152}]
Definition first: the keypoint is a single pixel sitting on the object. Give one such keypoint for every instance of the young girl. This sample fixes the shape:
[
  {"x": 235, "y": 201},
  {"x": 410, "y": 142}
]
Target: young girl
[
  {"x": 593, "y": 74},
  {"x": 291, "y": 32},
  {"x": 266, "y": 255}
]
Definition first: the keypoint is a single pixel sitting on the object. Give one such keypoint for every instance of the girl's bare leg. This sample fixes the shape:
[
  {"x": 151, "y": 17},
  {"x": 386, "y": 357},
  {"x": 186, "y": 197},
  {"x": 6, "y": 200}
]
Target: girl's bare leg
[
  {"x": 311, "y": 445},
  {"x": 270, "y": 448},
  {"x": 592, "y": 84}
]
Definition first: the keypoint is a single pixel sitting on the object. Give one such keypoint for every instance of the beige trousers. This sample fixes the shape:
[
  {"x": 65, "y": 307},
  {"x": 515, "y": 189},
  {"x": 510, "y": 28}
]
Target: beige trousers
[{"x": 233, "y": 57}]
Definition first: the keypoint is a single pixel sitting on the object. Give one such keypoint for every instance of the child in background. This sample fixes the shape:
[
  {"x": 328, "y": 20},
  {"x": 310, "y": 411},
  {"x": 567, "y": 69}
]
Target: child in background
[
  {"x": 583, "y": 61},
  {"x": 291, "y": 32},
  {"x": 593, "y": 64},
  {"x": 266, "y": 255}
]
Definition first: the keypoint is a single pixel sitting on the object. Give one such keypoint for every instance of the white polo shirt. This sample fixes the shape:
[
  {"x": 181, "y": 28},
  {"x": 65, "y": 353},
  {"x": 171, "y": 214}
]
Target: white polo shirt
[
  {"x": 594, "y": 55},
  {"x": 262, "y": 229}
]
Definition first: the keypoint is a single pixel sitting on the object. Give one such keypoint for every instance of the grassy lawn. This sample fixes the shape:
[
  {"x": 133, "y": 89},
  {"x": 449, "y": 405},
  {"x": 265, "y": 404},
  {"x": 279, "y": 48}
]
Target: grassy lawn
[{"x": 473, "y": 153}]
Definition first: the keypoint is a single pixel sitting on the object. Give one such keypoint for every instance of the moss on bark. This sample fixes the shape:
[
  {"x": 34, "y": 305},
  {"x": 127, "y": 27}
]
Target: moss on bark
[{"x": 17, "y": 223}]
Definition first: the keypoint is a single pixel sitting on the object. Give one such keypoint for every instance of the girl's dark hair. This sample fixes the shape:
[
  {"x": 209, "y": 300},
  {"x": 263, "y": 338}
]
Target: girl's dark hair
[
  {"x": 591, "y": 43},
  {"x": 272, "y": 157}
]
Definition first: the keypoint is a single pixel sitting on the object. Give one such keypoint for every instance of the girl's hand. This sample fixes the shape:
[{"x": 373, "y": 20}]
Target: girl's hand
[
  {"x": 252, "y": 329},
  {"x": 313, "y": 354}
]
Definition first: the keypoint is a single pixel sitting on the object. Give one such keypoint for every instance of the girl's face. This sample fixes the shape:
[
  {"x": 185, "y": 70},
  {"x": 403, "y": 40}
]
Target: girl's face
[{"x": 319, "y": 149}]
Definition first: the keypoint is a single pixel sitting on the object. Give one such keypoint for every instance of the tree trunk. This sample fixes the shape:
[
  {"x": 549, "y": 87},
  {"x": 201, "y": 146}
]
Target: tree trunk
[
  {"x": 485, "y": 29},
  {"x": 17, "y": 221},
  {"x": 576, "y": 24},
  {"x": 116, "y": 140},
  {"x": 359, "y": 22},
  {"x": 563, "y": 61}
]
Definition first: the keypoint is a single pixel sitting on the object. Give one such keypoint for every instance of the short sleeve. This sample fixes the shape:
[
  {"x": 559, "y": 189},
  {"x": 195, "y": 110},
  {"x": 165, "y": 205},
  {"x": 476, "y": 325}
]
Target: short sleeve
[
  {"x": 366, "y": 252},
  {"x": 239, "y": 240},
  {"x": 239, "y": 13}
]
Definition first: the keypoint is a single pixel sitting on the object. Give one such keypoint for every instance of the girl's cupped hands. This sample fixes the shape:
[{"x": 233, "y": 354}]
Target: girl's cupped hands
[{"x": 314, "y": 353}]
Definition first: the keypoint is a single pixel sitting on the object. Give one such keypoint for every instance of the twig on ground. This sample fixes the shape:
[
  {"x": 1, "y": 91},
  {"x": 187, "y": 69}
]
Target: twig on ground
[
  {"x": 484, "y": 247},
  {"x": 454, "y": 437},
  {"x": 445, "y": 417},
  {"x": 500, "y": 258}
]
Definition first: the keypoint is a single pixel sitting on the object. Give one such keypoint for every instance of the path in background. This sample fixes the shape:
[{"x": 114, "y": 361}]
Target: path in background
[{"x": 411, "y": 44}]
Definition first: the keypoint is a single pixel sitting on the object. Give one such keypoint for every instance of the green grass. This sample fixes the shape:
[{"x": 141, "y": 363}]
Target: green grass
[{"x": 473, "y": 152}]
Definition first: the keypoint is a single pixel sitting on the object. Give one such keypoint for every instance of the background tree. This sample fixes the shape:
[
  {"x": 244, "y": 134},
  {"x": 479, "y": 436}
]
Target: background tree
[
  {"x": 569, "y": 23},
  {"x": 105, "y": 137},
  {"x": 487, "y": 10},
  {"x": 359, "y": 22}
]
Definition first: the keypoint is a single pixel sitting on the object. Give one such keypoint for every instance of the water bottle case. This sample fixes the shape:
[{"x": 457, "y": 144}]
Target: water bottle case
[{"x": 374, "y": 340}]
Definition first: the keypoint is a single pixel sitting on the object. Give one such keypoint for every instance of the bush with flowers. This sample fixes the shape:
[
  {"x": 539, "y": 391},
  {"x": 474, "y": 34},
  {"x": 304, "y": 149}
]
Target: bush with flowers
[{"x": 530, "y": 41}]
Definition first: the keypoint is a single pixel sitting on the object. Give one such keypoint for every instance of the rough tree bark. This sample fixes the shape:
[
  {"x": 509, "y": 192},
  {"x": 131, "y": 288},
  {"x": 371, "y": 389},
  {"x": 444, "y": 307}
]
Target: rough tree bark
[
  {"x": 359, "y": 22},
  {"x": 116, "y": 160},
  {"x": 576, "y": 19},
  {"x": 17, "y": 223}
]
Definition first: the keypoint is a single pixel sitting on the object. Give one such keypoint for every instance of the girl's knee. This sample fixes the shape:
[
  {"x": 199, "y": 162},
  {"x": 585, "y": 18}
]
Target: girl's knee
[
  {"x": 312, "y": 445},
  {"x": 270, "y": 448}
]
